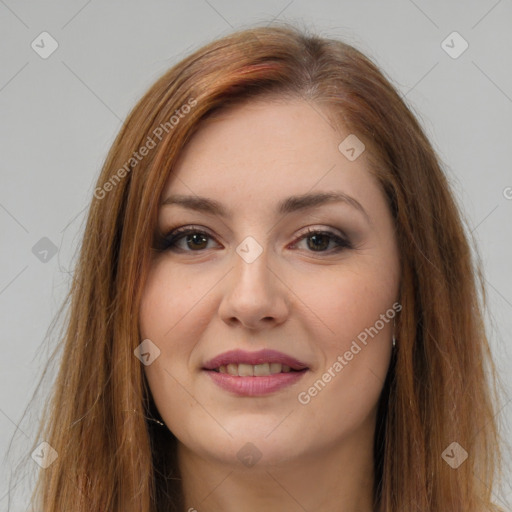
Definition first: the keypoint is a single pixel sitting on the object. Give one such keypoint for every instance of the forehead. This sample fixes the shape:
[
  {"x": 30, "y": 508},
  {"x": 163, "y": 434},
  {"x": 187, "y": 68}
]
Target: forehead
[{"x": 265, "y": 150}]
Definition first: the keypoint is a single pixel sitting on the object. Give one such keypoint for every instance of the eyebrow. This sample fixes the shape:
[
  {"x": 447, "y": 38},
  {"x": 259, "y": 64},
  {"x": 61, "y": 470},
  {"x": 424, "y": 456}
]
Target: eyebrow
[{"x": 289, "y": 205}]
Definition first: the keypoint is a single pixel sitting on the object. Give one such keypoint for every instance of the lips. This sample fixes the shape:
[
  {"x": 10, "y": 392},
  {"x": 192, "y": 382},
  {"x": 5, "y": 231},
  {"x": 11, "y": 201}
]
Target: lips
[
  {"x": 241, "y": 357},
  {"x": 254, "y": 373}
]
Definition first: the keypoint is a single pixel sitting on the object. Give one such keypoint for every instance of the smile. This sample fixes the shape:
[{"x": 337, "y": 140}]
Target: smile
[
  {"x": 254, "y": 373},
  {"x": 256, "y": 370}
]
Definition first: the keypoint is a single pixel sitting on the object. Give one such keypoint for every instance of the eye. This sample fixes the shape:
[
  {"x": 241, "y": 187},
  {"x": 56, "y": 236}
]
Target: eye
[
  {"x": 192, "y": 239},
  {"x": 320, "y": 240}
]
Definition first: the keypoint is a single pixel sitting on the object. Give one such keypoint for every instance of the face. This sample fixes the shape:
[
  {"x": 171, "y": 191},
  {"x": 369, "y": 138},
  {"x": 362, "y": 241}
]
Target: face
[{"x": 304, "y": 290}]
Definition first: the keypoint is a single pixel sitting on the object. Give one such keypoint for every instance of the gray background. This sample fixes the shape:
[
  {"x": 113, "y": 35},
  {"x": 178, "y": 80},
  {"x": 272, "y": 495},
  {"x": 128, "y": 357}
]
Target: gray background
[{"x": 59, "y": 115}]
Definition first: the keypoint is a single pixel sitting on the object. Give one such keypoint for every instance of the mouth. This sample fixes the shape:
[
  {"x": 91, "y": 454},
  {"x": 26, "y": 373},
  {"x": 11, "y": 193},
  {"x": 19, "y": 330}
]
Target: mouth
[
  {"x": 253, "y": 374},
  {"x": 256, "y": 370}
]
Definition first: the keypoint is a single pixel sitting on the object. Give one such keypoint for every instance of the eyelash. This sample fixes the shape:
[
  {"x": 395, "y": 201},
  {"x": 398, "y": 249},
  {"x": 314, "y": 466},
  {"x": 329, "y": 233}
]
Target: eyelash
[{"x": 168, "y": 242}]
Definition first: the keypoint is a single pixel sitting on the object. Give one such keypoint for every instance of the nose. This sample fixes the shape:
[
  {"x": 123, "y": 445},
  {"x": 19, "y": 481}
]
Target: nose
[{"x": 255, "y": 296}]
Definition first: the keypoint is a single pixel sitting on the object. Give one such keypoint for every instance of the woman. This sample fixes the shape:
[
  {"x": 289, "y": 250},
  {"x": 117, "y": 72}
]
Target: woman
[{"x": 275, "y": 305}]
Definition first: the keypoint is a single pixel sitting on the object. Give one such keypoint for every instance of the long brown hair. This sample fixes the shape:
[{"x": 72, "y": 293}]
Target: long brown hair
[{"x": 441, "y": 385}]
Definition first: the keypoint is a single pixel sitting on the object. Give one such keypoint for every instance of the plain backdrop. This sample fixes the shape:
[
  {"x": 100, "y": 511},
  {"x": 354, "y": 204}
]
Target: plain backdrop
[{"x": 60, "y": 111}]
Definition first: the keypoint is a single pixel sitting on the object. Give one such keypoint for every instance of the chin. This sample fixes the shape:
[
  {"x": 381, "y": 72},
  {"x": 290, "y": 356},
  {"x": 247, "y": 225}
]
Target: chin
[{"x": 252, "y": 444}]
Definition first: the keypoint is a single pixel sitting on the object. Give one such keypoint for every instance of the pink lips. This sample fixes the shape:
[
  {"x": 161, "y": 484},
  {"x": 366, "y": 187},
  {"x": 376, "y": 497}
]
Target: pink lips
[{"x": 254, "y": 385}]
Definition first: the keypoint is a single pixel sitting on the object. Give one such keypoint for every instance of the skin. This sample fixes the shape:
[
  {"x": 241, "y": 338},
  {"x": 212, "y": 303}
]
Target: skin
[{"x": 309, "y": 304}]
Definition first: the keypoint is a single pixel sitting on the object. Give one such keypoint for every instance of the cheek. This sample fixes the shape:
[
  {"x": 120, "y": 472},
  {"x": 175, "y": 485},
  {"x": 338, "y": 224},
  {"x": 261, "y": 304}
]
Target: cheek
[
  {"x": 355, "y": 354},
  {"x": 164, "y": 317},
  {"x": 348, "y": 300},
  {"x": 355, "y": 306},
  {"x": 154, "y": 302},
  {"x": 167, "y": 299}
]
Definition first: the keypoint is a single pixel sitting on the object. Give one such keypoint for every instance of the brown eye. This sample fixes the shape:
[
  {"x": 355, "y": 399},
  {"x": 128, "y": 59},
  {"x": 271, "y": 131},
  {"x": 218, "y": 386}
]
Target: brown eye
[
  {"x": 196, "y": 241},
  {"x": 185, "y": 239},
  {"x": 319, "y": 241}
]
